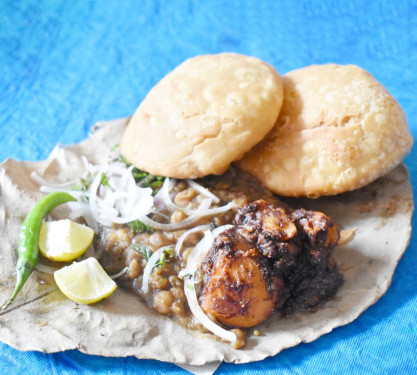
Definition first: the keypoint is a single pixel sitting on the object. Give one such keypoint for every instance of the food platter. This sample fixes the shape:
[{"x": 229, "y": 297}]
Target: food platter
[{"x": 123, "y": 326}]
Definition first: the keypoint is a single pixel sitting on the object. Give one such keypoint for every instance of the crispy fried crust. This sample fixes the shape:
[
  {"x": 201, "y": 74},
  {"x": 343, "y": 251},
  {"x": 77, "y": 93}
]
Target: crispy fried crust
[
  {"x": 271, "y": 259},
  {"x": 239, "y": 289},
  {"x": 338, "y": 130},
  {"x": 203, "y": 116}
]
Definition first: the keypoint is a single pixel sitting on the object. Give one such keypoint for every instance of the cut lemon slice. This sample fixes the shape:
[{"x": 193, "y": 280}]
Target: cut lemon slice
[
  {"x": 64, "y": 240},
  {"x": 85, "y": 282}
]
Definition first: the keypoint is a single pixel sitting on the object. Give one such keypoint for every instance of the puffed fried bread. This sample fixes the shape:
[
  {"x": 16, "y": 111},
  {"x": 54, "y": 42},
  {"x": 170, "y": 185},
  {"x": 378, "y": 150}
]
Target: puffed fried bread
[
  {"x": 204, "y": 115},
  {"x": 339, "y": 129}
]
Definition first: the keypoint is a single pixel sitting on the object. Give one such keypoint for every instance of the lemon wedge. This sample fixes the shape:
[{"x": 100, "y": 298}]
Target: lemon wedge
[
  {"x": 64, "y": 240},
  {"x": 85, "y": 282}
]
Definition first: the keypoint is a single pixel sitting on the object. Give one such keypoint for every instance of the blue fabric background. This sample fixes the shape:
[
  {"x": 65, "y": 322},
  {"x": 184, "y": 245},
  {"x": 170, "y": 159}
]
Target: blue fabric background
[{"x": 66, "y": 64}]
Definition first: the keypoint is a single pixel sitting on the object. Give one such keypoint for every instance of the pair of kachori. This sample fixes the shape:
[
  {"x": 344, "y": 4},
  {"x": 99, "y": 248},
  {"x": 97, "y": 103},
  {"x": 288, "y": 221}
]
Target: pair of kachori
[{"x": 318, "y": 130}]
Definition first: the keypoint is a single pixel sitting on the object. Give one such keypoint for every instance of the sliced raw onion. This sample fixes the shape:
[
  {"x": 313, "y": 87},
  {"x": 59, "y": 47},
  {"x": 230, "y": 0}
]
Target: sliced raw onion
[
  {"x": 143, "y": 207},
  {"x": 167, "y": 201},
  {"x": 90, "y": 252},
  {"x": 75, "y": 193},
  {"x": 41, "y": 181},
  {"x": 217, "y": 210},
  {"x": 197, "y": 255},
  {"x": 169, "y": 226},
  {"x": 194, "y": 261},
  {"x": 91, "y": 168},
  {"x": 164, "y": 194},
  {"x": 98, "y": 254},
  {"x": 92, "y": 199},
  {"x": 123, "y": 203},
  {"x": 183, "y": 236},
  {"x": 79, "y": 209},
  {"x": 201, "y": 249},
  {"x": 220, "y": 229},
  {"x": 198, "y": 214},
  {"x": 152, "y": 261},
  {"x": 46, "y": 269},
  {"x": 203, "y": 190},
  {"x": 190, "y": 293},
  {"x": 122, "y": 200},
  {"x": 118, "y": 274}
]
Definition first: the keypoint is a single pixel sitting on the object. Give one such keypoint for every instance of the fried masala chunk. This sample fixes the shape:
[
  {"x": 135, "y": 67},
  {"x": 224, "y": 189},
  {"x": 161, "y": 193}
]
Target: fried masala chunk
[{"x": 271, "y": 259}]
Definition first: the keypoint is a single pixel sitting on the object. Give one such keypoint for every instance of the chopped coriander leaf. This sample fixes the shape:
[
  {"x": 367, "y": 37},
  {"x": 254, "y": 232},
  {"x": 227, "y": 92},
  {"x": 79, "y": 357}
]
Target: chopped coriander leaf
[
  {"x": 114, "y": 147},
  {"x": 166, "y": 255},
  {"x": 144, "y": 250},
  {"x": 103, "y": 179},
  {"x": 124, "y": 161},
  {"x": 138, "y": 227},
  {"x": 84, "y": 183},
  {"x": 144, "y": 178},
  {"x": 155, "y": 182},
  {"x": 139, "y": 174}
]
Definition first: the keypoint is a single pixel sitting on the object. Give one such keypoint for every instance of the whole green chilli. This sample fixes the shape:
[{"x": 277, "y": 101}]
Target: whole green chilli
[{"x": 28, "y": 245}]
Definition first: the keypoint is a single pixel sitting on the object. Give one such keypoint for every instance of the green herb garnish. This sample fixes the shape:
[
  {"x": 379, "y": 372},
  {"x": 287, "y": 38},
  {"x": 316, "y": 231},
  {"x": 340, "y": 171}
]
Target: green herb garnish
[
  {"x": 84, "y": 183},
  {"x": 144, "y": 250},
  {"x": 103, "y": 179},
  {"x": 144, "y": 178},
  {"x": 138, "y": 227},
  {"x": 166, "y": 255},
  {"x": 84, "y": 198}
]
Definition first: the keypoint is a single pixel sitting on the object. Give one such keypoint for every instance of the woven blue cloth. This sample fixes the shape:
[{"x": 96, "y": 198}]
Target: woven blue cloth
[{"x": 65, "y": 65}]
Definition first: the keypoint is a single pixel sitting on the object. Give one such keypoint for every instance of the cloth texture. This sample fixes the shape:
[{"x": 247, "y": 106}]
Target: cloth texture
[{"x": 66, "y": 65}]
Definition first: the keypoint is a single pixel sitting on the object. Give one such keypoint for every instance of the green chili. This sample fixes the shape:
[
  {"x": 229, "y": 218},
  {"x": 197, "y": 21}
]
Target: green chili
[{"x": 28, "y": 250}]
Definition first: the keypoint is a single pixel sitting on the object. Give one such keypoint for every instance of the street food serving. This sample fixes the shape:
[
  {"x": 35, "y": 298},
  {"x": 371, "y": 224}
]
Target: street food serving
[
  {"x": 222, "y": 253},
  {"x": 235, "y": 266}
]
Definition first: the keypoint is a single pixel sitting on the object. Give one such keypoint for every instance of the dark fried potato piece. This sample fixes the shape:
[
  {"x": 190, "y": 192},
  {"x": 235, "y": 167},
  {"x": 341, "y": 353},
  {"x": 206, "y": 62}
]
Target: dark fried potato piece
[
  {"x": 318, "y": 227},
  {"x": 238, "y": 287},
  {"x": 272, "y": 259},
  {"x": 272, "y": 230}
]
